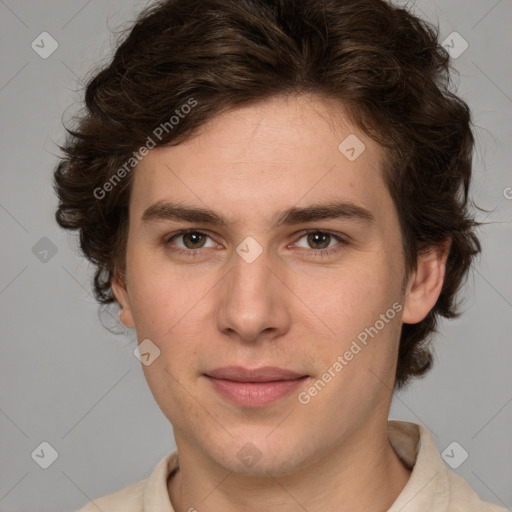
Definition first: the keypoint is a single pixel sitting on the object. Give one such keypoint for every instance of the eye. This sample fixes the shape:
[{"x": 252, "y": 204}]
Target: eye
[
  {"x": 189, "y": 240},
  {"x": 321, "y": 242},
  {"x": 193, "y": 242}
]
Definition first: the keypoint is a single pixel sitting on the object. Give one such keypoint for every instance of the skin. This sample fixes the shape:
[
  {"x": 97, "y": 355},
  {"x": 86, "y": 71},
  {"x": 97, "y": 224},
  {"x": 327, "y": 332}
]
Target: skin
[{"x": 290, "y": 308}]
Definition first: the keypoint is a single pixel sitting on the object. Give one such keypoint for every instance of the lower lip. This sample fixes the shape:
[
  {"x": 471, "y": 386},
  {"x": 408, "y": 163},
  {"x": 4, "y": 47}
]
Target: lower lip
[{"x": 255, "y": 394}]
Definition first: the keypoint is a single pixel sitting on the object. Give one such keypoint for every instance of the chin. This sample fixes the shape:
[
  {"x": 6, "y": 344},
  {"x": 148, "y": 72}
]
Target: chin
[{"x": 258, "y": 457}]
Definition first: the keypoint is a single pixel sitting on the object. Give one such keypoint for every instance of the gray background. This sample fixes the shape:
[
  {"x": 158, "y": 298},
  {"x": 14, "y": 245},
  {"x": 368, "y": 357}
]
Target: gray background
[{"x": 66, "y": 380}]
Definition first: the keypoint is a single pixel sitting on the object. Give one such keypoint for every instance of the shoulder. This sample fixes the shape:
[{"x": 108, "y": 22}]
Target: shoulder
[
  {"x": 127, "y": 499},
  {"x": 137, "y": 496},
  {"x": 432, "y": 485},
  {"x": 464, "y": 499}
]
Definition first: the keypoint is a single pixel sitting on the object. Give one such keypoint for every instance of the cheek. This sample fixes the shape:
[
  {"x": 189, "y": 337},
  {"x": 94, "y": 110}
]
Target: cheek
[
  {"x": 353, "y": 295},
  {"x": 173, "y": 312},
  {"x": 162, "y": 296},
  {"x": 361, "y": 304},
  {"x": 154, "y": 310}
]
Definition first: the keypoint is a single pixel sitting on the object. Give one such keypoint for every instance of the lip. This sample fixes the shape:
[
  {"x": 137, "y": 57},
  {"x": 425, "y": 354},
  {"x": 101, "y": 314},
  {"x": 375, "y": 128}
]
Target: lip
[
  {"x": 254, "y": 388},
  {"x": 264, "y": 374}
]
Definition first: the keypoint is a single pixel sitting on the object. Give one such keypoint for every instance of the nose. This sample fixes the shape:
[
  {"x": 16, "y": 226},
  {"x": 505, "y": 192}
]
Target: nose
[{"x": 254, "y": 302}]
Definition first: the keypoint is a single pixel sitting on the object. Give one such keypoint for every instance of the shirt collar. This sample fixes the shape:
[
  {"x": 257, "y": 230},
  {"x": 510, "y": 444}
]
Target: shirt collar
[{"x": 428, "y": 487}]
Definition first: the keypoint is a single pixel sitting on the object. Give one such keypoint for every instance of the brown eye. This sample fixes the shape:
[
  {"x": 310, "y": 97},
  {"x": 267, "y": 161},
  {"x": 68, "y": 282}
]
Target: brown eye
[
  {"x": 194, "y": 240},
  {"x": 321, "y": 243},
  {"x": 189, "y": 241},
  {"x": 318, "y": 240}
]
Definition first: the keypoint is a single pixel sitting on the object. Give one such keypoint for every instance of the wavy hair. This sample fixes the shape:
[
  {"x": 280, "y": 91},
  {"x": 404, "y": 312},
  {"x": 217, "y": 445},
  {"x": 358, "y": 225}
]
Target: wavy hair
[{"x": 384, "y": 64}]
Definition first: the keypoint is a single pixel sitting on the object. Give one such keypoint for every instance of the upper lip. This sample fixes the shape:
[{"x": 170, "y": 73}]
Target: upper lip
[{"x": 265, "y": 374}]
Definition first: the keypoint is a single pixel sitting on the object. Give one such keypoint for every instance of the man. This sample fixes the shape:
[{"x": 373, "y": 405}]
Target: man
[{"x": 275, "y": 195}]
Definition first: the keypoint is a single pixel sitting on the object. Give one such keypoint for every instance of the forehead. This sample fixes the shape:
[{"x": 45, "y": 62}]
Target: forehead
[{"x": 261, "y": 157}]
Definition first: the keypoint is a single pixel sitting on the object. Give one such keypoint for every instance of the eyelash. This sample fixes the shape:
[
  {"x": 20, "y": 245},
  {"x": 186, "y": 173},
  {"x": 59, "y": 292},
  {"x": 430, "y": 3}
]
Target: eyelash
[{"x": 193, "y": 253}]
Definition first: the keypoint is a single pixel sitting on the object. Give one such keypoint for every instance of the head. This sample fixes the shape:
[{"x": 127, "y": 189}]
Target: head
[{"x": 320, "y": 160}]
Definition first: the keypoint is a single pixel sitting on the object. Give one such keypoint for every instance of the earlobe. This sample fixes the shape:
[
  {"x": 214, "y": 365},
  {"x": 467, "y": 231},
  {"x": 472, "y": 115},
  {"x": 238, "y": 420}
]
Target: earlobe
[
  {"x": 121, "y": 294},
  {"x": 425, "y": 283}
]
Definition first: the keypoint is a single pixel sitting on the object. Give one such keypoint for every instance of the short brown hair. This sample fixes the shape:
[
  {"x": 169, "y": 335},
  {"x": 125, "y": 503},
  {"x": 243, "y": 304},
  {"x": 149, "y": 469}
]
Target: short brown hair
[{"x": 384, "y": 64}]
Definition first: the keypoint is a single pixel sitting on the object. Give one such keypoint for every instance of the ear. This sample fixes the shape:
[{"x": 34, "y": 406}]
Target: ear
[
  {"x": 425, "y": 283},
  {"x": 120, "y": 290}
]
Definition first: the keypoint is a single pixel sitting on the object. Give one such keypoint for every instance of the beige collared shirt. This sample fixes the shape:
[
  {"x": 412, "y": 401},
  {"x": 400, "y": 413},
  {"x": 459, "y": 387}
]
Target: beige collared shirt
[{"x": 432, "y": 487}]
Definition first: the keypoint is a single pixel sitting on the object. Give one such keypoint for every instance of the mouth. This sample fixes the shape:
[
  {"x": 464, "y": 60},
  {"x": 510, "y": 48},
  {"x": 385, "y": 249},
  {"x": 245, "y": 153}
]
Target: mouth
[{"x": 254, "y": 388}]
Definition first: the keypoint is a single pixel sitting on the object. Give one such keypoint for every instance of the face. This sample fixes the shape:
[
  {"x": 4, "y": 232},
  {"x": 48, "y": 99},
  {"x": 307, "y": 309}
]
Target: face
[{"x": 265, "y": 266}]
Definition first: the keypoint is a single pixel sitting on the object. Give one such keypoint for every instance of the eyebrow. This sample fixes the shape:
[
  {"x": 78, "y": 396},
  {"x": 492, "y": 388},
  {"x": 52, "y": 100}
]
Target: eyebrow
[{"x": 164, "y": 210}]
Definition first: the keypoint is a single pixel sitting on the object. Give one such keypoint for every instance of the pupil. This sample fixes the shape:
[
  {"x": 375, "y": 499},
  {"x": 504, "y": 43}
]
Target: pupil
[
  {"x": 193, "y": 239},
  {"x": 320, "y": 239}
]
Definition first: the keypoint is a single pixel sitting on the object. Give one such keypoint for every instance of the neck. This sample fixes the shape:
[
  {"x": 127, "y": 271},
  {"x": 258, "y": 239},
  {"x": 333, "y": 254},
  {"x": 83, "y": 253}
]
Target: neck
[{"x": 362, "y": 474}]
